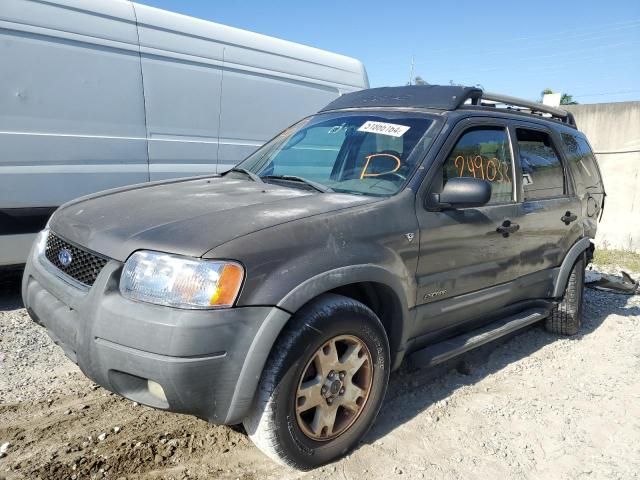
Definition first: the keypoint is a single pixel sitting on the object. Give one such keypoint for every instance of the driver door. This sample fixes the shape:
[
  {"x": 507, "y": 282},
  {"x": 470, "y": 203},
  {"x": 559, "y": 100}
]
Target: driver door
[{"x": 465, "y": 265}]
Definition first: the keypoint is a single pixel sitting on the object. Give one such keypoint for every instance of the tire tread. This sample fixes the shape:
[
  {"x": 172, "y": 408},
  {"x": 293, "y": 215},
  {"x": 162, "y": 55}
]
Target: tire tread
[{"x": 565, "y": 318}]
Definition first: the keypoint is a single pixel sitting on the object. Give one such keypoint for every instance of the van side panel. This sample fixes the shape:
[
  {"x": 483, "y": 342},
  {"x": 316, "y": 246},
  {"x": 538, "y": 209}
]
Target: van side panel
[
  {"x": 100, "y": 94},
  {"x": 257, "y": 83},
  {"x": 252, "y": 110},
  {"x": 230, "y": 90},
  {"x": 182, "y": 75},
  {"x": 72, "y": 118},
  {"x": 72, "y": 108}
]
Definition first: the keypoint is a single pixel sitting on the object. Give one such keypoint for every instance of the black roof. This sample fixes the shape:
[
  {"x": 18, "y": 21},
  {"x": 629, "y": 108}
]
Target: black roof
[{"x": 439, "y": 97}]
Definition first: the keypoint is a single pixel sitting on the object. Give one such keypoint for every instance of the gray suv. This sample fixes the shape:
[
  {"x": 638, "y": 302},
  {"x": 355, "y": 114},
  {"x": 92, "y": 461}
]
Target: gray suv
[{"x": 397, "y": 223}]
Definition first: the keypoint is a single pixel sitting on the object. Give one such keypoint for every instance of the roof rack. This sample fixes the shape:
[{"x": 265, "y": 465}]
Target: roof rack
[
  {"x": 533, "y": 107},
  {"x": 441, "y": 97}
]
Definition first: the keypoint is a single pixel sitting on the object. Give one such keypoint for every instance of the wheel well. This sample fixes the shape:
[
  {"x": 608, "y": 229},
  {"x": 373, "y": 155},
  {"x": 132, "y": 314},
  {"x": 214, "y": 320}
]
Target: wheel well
[{"x": 383, "y": 301}]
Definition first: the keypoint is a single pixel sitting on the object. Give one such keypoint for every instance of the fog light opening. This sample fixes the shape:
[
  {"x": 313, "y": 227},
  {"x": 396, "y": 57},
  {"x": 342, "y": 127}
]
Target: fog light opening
[{"x": 156, "y": 390}]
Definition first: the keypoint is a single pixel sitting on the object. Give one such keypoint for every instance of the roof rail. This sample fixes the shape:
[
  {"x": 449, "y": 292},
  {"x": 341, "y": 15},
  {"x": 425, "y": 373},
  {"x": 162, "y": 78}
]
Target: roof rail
[
  {"x": 440, "y": 97},
  {"x": 533, "y": 107}
]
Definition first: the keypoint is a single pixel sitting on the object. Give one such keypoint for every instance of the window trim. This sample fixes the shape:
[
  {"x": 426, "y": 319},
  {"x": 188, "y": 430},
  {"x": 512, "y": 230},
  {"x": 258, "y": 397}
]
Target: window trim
[{"x": 569, "y": 189}]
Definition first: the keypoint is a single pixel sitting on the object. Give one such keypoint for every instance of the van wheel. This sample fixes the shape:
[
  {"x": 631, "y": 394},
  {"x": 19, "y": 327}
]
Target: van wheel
[
  {"x": 323, "y": 384},
  {"x": 566, "y": 317}
]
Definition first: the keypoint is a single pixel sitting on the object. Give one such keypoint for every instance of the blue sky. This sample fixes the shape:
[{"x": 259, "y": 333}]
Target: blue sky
[{"x": 586, "y": 48}]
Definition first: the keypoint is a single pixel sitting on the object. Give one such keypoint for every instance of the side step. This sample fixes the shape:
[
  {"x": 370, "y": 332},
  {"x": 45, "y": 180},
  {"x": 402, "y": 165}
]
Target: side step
[{"x": 452, "y": 347}]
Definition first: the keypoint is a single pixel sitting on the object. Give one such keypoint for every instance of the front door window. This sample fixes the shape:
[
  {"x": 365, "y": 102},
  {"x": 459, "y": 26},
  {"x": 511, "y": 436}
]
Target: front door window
[{"x": 483, "y": 153}]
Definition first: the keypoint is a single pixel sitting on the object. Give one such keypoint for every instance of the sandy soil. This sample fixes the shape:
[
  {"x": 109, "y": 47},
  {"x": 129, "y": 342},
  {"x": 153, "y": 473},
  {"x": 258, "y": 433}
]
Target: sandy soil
[{"x": 532, "y": 406}]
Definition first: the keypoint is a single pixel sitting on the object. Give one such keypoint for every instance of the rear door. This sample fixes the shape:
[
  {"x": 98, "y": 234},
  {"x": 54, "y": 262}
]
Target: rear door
[
  {"x": 587, "y": 178},
  {"x": 460, "y": 250},
  {"x": 549, "y": 213}
]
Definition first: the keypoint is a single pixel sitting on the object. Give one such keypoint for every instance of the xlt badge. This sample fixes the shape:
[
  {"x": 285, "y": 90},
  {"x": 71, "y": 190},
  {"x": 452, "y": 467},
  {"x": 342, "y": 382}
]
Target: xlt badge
[{"x": 439, "y": 293}]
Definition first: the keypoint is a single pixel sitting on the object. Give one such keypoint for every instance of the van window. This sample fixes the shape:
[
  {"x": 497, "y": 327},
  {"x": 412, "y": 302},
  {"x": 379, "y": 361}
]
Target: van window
[
  {"x": 581, "y": 160},
  {"x": 542, "y": 174},
  {"x": 483, "y": 153}
]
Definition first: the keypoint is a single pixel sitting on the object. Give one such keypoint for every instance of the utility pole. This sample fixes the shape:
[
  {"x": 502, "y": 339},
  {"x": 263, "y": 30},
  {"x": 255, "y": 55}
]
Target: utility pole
[{"x": 413, "y": 59}]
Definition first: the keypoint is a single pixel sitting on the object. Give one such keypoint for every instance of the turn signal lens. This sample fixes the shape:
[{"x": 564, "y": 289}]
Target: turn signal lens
[{"x": 229, "y": 285}]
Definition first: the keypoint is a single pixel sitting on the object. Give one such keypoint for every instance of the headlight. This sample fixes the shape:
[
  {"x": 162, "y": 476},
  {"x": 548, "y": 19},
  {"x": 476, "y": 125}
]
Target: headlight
[{"x": 181, "y": 282}]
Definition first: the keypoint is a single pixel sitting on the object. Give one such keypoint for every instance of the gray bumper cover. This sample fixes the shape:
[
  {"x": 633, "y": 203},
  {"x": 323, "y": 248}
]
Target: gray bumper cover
[{"x": 208, "y": 362}]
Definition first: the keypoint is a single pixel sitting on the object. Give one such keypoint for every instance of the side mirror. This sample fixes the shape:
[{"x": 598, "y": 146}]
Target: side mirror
[{"x": 461, "y": 192}]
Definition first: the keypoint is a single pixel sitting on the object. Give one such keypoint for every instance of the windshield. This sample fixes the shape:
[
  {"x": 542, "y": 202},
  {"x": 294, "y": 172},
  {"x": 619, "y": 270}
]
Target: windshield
[{"x": 366, "y": 154}]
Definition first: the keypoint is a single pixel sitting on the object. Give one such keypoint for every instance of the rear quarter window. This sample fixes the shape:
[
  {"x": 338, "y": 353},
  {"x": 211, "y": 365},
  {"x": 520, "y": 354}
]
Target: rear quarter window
[{"x": 582, "y": 162}]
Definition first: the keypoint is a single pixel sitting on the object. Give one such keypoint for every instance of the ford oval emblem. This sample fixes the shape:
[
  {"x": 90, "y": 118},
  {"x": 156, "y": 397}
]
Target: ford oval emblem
[{"x": 64, "y": 257}]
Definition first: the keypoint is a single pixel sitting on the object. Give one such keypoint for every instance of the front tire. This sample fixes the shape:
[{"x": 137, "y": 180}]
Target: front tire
[
  {"x": 323, "y": 384},
  {"x": 566, "y": 317}
]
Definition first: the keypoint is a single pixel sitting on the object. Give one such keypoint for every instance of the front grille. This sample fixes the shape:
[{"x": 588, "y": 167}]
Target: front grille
[{"x": 83, "y": 267}]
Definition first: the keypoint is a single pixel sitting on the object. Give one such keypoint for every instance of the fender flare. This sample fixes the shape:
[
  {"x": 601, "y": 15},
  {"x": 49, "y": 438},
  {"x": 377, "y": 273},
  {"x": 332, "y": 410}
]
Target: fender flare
[
  {"x": 339, "y": 277},
  {"x": 400, "y": 285},
  {"x": 253, "y": 365},
  {"x": 271, "y": 327},
  {"x": 567, "y": 264}
]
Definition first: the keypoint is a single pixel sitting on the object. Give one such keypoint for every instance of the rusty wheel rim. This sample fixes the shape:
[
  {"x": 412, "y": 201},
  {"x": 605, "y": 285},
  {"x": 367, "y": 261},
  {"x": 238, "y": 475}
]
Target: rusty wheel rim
[{"x": 334, "y": 388}]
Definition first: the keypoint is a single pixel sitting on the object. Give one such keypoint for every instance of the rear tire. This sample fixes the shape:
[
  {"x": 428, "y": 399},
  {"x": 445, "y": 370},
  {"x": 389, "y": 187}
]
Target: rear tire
[
  {"x": 566, "y": 317},
  {"x": 339, "y": 347}
]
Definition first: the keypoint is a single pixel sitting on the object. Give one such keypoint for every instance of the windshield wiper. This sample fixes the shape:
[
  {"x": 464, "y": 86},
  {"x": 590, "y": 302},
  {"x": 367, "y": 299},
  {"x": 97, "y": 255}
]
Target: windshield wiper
[
  {"x": 294, "y": 178},
  {"x": 248, "y": 173}
]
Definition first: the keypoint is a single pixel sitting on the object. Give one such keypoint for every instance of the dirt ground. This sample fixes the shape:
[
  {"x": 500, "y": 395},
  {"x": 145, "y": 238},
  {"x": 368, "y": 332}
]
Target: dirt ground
[{"x": 532, "y": 406}]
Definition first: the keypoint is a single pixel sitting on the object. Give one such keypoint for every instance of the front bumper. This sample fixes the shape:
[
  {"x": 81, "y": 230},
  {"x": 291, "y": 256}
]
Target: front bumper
[{"x": 207, "y": 362}]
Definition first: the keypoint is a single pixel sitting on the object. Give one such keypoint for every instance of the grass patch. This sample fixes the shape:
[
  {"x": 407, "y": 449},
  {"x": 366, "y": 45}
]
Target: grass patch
[{"x": 622, "y": 258}]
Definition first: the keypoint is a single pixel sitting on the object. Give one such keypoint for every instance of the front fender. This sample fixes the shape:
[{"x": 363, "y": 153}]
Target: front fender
[
  {"x": 290, "y": 264},
  {"x": 340, "y": 277}
]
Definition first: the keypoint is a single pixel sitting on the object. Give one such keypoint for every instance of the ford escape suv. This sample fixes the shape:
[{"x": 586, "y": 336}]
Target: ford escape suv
[{"x": 397, "y": 223}]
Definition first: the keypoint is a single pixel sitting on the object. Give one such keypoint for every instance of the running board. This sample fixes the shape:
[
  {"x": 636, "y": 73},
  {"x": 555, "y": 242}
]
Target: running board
[{"x": 447, "y": 349}]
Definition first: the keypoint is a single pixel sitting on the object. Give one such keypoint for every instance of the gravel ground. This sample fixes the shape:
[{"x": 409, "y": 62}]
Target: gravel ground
[{"x": 531, "y": 406}]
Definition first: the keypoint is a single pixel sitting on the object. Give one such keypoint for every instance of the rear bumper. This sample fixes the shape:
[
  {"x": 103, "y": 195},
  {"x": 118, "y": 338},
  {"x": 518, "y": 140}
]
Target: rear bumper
[{"x": 207, "y": 363}]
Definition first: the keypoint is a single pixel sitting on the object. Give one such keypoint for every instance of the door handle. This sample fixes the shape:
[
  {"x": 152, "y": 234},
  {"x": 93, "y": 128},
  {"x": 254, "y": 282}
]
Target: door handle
[
  {"x": 507, "y": 228},
  {"x": 569, "y": 217}
]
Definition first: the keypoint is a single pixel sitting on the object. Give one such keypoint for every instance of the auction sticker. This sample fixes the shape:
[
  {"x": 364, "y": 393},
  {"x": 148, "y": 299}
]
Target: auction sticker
[{"x": 383, "y": 128}]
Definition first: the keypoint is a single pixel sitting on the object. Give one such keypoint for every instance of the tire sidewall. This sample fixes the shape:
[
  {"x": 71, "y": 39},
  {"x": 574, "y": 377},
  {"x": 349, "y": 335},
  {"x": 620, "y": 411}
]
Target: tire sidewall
[{"x": 309, "y": 453}]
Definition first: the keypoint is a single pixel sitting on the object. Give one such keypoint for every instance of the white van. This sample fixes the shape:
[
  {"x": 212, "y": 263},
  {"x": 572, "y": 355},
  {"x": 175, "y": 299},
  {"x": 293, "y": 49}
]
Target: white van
[{"x": 104, "y": 93}]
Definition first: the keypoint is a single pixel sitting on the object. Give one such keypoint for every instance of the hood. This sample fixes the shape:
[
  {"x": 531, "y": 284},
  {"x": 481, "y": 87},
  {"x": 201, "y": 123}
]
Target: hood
[{"x": 188, "y": 217}]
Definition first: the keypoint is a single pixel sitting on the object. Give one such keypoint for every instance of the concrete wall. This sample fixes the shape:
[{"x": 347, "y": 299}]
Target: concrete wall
[{"x": 613, "y": 130}]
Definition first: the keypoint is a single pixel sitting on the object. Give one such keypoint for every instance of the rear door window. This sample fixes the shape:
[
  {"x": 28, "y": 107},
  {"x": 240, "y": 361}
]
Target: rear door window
[
  {"x": 542, "y": 173},
  {"x": 483, "y": 152}
]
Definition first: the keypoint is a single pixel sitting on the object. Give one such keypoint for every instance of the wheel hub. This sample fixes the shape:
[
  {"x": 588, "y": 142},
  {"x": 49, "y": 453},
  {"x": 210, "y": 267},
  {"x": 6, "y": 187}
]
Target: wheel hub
[{"x": 334, "y": 387}]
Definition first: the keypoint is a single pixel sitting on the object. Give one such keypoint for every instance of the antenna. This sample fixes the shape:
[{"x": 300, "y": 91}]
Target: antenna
[{"x": 413, "y": 61}]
